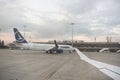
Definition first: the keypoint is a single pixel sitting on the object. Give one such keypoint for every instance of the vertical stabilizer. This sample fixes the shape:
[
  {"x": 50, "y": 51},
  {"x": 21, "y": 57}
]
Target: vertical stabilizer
[{"x": 19, "y": 38}]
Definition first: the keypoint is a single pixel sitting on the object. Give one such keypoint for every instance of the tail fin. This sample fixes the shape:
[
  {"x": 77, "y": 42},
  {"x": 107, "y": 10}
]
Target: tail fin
[{"x": 19, "y": 38}]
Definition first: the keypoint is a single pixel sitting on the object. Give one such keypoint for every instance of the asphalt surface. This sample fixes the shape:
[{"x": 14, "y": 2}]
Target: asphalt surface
[{"x": 38, "y": 65}]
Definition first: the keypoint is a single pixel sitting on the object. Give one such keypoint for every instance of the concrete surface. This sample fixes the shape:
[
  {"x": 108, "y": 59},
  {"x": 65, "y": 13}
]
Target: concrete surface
[{"x": 37, "y": 65}]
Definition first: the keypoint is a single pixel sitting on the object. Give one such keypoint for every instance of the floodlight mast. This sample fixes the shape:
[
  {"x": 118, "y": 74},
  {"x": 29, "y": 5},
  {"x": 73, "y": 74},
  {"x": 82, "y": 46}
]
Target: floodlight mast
[
  {"x": 0, "y": 33},
  {"x": 24, "y": 30},
  {"x": 72, "y": 33}
]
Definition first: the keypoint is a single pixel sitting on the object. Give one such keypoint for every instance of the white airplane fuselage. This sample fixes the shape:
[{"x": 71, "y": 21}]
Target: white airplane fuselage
[{"x": 43, "y": 47}]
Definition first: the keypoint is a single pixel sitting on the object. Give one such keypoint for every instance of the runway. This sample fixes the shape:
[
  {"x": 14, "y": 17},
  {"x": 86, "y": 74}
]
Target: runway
[{"x": 37, "y": 65}]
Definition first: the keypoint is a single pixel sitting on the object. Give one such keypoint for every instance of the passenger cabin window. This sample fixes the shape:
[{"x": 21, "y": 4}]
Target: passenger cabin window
[{"x": 65, "y": 47}]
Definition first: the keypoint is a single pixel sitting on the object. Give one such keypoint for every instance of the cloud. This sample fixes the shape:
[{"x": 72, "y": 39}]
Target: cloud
[
  {"x": 78, "y": 6},
  {"x": 51, "y": 19}
]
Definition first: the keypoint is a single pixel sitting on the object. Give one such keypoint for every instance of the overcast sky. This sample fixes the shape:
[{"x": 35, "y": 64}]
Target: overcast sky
[{"x": 51, "y": 19}]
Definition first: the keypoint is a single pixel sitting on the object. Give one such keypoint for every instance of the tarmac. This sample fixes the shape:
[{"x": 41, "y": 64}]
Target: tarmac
[{"x": 38, "y": 65}]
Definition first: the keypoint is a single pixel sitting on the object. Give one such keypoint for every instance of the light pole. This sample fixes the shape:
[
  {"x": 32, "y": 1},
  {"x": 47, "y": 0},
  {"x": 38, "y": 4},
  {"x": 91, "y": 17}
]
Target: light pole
[
  {"x": 72, "y": 33},
  {"x": 30, "y": 38},
  {"x": 95, "y": 39},
  {"x": 0, "y": 33},
  {"x": 24, "y": 30}
]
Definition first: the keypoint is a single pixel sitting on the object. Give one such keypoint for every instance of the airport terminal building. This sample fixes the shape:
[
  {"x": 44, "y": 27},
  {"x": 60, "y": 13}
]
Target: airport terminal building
[
  {"x": 92, "y": 46},
  {"x": 96, "y": 46}
]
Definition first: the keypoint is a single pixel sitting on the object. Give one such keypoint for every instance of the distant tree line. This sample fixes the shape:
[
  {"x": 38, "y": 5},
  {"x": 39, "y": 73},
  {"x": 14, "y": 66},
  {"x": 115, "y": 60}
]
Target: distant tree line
[{"x": 1, "y": 43}]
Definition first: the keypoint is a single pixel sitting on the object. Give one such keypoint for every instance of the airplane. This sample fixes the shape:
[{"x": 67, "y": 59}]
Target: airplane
[
  {"x": 49, "y": 48},
  {"x": 104, "y": 50}
]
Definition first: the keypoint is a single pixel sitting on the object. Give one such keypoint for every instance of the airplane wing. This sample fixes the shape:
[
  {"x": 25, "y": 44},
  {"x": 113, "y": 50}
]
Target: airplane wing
[
  {"x": 52, "y": 49},
  {"x": 55, "y": 48},
  {"x": 110, "y": 70}
]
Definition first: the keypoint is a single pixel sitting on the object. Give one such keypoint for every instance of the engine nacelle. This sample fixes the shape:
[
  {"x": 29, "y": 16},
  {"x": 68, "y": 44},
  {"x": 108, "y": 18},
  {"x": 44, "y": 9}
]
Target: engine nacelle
[{"x": 59, "y": 51}]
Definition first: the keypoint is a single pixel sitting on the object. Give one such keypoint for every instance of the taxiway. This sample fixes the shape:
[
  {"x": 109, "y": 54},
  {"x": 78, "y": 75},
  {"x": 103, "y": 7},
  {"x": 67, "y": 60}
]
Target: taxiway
[{"x": 38, "y": 65}]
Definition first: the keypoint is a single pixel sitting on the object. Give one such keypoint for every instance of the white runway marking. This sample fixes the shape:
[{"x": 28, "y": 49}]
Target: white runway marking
[{"x": 110, "y": 70}]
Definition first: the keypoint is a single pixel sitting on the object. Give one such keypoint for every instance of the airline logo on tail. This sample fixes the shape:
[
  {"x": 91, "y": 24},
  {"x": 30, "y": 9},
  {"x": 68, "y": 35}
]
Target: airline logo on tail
[{"x": 19, "y": 38}]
